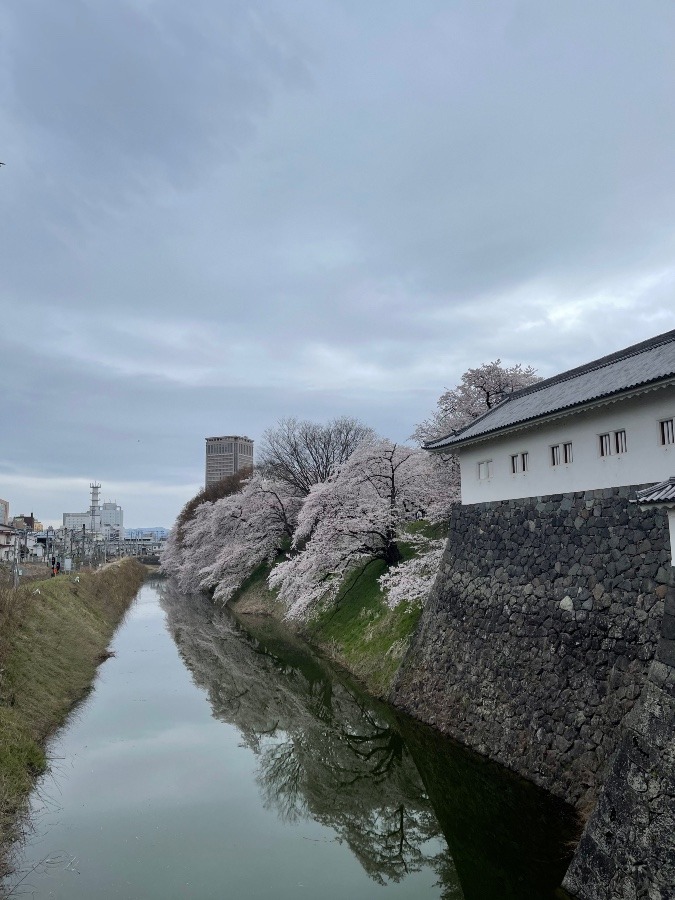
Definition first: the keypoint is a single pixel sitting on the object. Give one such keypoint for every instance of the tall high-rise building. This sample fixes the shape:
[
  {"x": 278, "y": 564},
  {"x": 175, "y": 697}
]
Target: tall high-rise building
[{"x": 226, "y": 455}]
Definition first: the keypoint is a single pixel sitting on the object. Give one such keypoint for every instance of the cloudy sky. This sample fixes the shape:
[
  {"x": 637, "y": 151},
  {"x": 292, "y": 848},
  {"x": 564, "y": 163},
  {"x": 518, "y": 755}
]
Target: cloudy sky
[{"x": 218, "y": 213}]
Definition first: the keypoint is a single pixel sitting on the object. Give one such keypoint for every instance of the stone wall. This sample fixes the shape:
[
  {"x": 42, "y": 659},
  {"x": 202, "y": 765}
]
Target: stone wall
[
  {"x": 537, "y": 638},
  {"x": 627, "y": 850}
]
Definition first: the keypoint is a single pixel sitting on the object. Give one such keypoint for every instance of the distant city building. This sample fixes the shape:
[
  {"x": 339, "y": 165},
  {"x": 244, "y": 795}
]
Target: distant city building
[
  {"x": 145, "y": 542},
  {"x": 26, "y": 523},
  {"x": 6, "y": 532},
  {"x": 77, "y": 520},
  {"x": 107, "y": 520},
  {"x": 158, "y": 533},
  {"x": 226, "y": 455},
  {"x": 112, "y": 517}
]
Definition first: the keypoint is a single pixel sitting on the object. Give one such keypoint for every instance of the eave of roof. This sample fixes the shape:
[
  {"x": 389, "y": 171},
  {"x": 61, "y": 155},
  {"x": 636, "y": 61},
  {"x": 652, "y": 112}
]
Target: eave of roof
[
  {"x": 561, "y": 413},
  {"x": 531, "y": 404},
  {"x": 664, "y": 492}
]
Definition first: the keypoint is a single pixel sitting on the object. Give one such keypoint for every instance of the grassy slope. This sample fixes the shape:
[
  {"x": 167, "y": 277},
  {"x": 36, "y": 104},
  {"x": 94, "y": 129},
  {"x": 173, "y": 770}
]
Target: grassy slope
[
  {"x": 51, "y": 644},
  {"x": 360, "y": 633}
]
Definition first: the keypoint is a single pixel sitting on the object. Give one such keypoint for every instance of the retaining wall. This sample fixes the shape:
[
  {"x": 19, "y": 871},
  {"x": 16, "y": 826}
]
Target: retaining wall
[
  {"x": 627, "y": 850},
  {"x": 537, "y": 638}
]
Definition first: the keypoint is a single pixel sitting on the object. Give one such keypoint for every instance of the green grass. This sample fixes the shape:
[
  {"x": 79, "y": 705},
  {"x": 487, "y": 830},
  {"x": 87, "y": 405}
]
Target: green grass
[
  {"x": 54, "y": 633},
  {"x": 359, "y": 631},
  {"x": 362, "y": 633},
  {"x": 254, "y": 597}
]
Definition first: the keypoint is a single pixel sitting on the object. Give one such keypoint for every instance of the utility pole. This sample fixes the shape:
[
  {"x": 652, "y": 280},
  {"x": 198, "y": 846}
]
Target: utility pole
[{"x": 15, "y": 569}]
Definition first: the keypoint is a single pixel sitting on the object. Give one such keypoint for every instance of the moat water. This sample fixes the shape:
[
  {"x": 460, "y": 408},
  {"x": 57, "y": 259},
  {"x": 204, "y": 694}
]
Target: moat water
[{"x": 219, "y": 759}]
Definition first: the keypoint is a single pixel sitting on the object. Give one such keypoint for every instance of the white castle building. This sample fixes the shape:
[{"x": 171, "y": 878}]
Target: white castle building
[{"x": 602, "y": 425}]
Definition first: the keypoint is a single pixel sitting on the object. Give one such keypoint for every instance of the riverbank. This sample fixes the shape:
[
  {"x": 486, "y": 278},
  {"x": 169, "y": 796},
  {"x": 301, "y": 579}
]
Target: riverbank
[
  {"x": 360, "y": 632},
  {"x": 53, "y": 635}
]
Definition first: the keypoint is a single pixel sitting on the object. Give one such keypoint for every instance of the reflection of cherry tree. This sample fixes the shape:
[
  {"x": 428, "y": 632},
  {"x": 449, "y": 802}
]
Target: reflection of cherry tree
[
  {"x": 324, "y": 752},
  {"x": 364, "y": 786}
]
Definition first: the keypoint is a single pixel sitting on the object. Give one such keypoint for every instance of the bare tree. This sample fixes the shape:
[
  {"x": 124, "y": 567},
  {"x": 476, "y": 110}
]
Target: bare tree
[{"x": 302, "y": 453}]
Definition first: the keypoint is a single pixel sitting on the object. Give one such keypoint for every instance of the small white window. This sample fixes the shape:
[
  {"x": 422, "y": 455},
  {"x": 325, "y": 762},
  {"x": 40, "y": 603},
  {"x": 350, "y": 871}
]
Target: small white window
[
  {"x": 555, "y": 455},
  {"x": 667, "y": 432},
  {"x": 525, "y": 461},
  {"x": 620, "y": 441},
  {"x": 567, "y": 452},
  {"x": 515, "y": 463},
  {"x": 605, "y": 445},
  {"x": 485, "y": 469}
]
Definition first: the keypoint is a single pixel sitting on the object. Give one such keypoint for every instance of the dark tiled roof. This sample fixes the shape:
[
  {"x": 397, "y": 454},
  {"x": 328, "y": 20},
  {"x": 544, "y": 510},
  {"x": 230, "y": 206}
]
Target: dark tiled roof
[
  {"x": 642, "y": 364},
  {"x": 664, "y": 492}
]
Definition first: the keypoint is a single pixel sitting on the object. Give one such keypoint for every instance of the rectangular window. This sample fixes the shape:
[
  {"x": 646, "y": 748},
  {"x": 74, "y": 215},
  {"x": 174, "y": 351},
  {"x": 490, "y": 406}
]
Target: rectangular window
[
  {"x": 555, "y": 455},
  {"x": 605, "y": 445},
  {"x": 667, "y": 432},
  {"x": 485, "y": 469},
  {"x": 620, "y": 441},
  {"x": 567, "y": 452},
  {"x": 519, "y": 462}
]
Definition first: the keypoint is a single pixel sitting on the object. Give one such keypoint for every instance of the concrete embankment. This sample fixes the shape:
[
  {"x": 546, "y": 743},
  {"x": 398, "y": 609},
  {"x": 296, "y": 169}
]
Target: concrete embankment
[{"x": 53, "y": 635}]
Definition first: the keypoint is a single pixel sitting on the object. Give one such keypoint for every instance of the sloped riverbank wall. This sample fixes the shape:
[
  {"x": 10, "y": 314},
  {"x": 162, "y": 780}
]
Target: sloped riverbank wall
[
  {"x": 538, "y": 648},
  {"x": 54, "y": 634}
]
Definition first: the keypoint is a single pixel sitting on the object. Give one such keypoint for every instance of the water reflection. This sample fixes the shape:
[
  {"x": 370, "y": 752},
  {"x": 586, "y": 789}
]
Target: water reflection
[
  {"x": 323, "y": 750},
  {"x": 327, "y": 752}
]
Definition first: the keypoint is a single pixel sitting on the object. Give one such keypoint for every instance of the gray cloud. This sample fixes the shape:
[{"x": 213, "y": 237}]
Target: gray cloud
[{"x": 219, "y": 214}]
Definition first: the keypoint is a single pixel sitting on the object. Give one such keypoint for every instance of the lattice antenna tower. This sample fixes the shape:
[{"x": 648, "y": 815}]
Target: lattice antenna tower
[{"x": 95, "y": 508}]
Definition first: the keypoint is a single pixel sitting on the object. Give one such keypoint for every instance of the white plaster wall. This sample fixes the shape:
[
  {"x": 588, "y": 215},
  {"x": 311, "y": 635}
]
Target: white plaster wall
[{"x": 645, "y": 460}]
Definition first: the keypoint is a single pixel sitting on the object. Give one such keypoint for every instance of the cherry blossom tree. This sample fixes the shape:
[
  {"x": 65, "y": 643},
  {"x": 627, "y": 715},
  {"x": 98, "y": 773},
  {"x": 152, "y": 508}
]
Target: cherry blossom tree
[
  {"x": 411, "y": 581},
  {"x": 224, "y": 541},
  {"x": 230, "y": 484},
  {"x": 355, "y": 517},
  {"x": 479, "y": 390}
]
